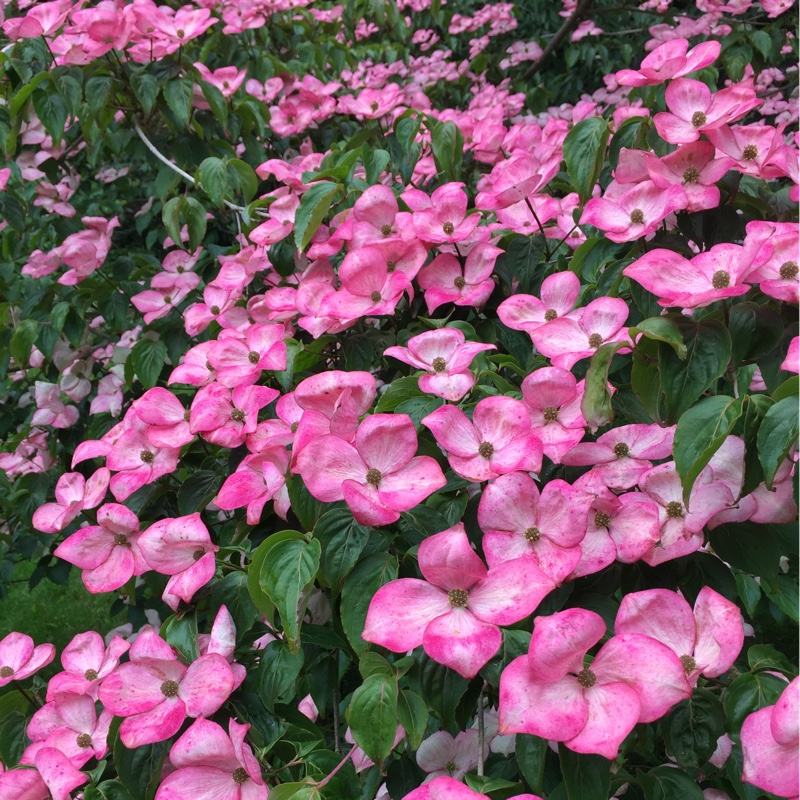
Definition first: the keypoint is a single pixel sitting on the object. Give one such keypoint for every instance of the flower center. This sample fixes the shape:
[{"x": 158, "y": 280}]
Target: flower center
[
  {"x": 457, "y": 598},
  {"x": 448, "y": 228},
  {"x": 459, "y": 282},
  {"x": 294, "y": 426},
  {"x": 439, "y": 364},
  {"x": 6, "y": 672},
  {"x": 690, "y": 175},
  {"x": 698, "y": 119},
  {"x": 390, "y": 267},
  {"x": 550, "y": 414},
  {"x": 373, "y": 106},
  {"x": 253, "y": 357},
  {"x": 121, "y": 540},
  {"x": 187, "y": 415},
  {"x": 601, "y": 520},
  {"x": 198, "y": 554},
  {"x": 167, "y": 299},
  {"x": 374, "y": 477},
  {"x": 587, "y": 678},
  {"x": 674, "y": 509},
  {"x": 240, "y": 775},
  {"x": 550, "y": 315},
  {"x": 689, "y": 664},
  {"x": 637, "y": 216},
  {"x": 169, "y": 689},
  {"x": 386, "y": 230},
  {"x": 595, "y": 340},
  {"x": 750, "y": 153},
  {"x": 450, "y": 767},
  {"x": 621, "y": 450},
  {"x": 215, "y": 310},
  {"x": 181, "y": 33},
  {"x": 90, "y": 675},
  {"x": 84, "y": 740},
  {"x": 789, "y": 270},
  {"x": 146, "y": 456},
  {"x": 721, "y": 279},
  {"x": 375, "y": 297},
  {"x": 237, "y": 415},
  {"x": 486, "y": 449},
  {"x": 532, "y": 534}
]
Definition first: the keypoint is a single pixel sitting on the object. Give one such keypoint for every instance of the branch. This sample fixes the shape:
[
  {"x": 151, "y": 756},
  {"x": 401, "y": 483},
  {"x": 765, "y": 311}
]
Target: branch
[
  {"x": 175, "y": 168},
  {"x": 569, "y": 24}
]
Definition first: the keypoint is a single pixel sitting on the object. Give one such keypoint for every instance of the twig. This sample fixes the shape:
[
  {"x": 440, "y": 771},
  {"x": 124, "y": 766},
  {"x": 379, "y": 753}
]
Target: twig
[
  {"x": 569, "y": 24},
  {"x": 481, "y": 731},
  {"x": 336, "y": 769},
  {"x": 337, "y": 737}
]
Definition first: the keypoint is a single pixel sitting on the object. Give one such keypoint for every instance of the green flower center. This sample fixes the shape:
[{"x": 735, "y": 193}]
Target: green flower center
[
  {"x": 637, "y": 216},
  {"x": 439, "y": 364},
  {"x": 721, "y": 279},
  {"x": 486, "y": 449},
  {"x": 146, "y": 456},
  {"x": 601, "y": 520},
  {"x": 789, "y": 270},
  {"x": 532, "y": 534},
  {"x": 674, "y": 509},
  {"x": 621, "y": 450},
  {"x": 690, "y": 175},
  {"x": 457, "y": 598},
  {"x": 595, "y": 340},
  {"x": 84, "y": 740},
  {"x": 253, "y": 357},
  {"x": 240, "y": 775},
  {"x": 550, "y": 414},
  {"x": 169, "y": 689},
  {"x": 698, "y": 119},
  {"x": 587, "y": 678},
  {"x": 448, "y": 228},
  {"x": 374, "y": 477},
  {"x": 689, "y": 664},
  {"x": 237, "y": 415}
]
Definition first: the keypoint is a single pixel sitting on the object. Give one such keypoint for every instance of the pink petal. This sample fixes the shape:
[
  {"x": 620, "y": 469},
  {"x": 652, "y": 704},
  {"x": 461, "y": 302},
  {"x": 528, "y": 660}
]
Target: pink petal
[
  {"x": 767, "y": 764},
  {"x": 406, "y": 488},
  {"x": 161, "y": 722},
  {"x": 448, "y": 561},
  {"x": 720, "y": 632},
  {"x": 325, "y": 463},
  {"x": 386, "y": 442},
  {"x": 660, "y": 614},
  {"x": 560, "y": 641},
  {"x": 460, "y": 640},
  {"x": 510, "y": 592}
]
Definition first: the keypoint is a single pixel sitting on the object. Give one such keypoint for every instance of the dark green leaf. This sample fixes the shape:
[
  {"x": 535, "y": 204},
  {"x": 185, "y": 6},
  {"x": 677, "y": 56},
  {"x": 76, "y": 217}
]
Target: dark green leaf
[
  {"x": 147, "y": 360},
  {"x": 584, "y": 154},
  {"x": 765, "y": 656},
  {"x": 52, "y": 111},
  {"x": 180, "y": 631},
  {"x": 372, "y": 715},
  {"x": 232, "y": 593},
  {"x": 596, "y": 402},
  {"x": 178, "y": 94},
  {"x": 359, "y": 587},
  {"x": 777, "y": 435},
  {"x": 398, "y": 392},
  {"x": 748, "y": 693},
  {"x": 661, "y": 329},
  {"x": 146, "y": 89},
  {"x": 138, "y": 766},
  {"x": 586, "y": 776},
  {"x": 668, "y": 783},
  {"x": 22, "y": 341},
  {"x": 342, "y": 540},
  {"x": 213, "y": 175},
  {"x": 531, "y": 752},
  {"x": 313, "y": 207},
  {"x": 277, "y": 672},
  {"x": 448, "y": 150},
  {"x": 755, "y": 331},
  {"x": 198, "y": 490},
  {"x": 692, "y": 727},
  {"x": 413, "y": 716},
  {"x": 523, "y": 256}
]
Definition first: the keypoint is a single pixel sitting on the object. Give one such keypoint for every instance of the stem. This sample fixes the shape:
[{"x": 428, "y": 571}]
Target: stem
[
  {"x": 335, "y": 769},
  {"x": 569, "y": 24},
  {"x": 337, "y": 736},
  {"x": 26, "y": 695},
  {"x": 541, "y": 227},
  {"x": 481, "y": 731}
]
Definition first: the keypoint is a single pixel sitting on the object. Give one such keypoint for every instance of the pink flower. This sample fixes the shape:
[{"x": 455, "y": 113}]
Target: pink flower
[
  {"x": 210, "y": 765},
  {"x": 770, "y": 740},
  {"x": 224, "y": 416},
  {"x": 195, "y": 369},
  {"x": 513, "y": 180},
  {"x": 447, "y": 788},
  {"x": 372, "y": 103},
  {"x": 707, "y": 641},
  {"x": 226, "y": 79},
  {"x": 707, "y": 278},
  {"x": 553, "y": 397},
  {"x": 222, "y": 640},
  {"x": 86, "y": 662},
  {"x": 70, "y": 724},
  {"x": 219, "y": 304},
  {"x": 497, "y": 440},
  {"x": 50, "y": 410},
  {"x": 54, "y": 778},
  {"x": 377, "y": 218},
  {"x": 550, "y": 693},
  {"x": 445, "y": 356},
  {"x": 695, "y": 110},
  {"x": 378, "y": 476},
  {"x": 792, "y": 361},
  {"x": 166, "y": 419},
  {"x": 752, "y": 147},
  {"x": 524, "y": 312},
  {"x": 239, "y": 359},
  {"x": 670, "y": 60},
  {"x": 635, "y": 213},
  {"x": 455, "y": 612},
  {"x": 447, "y": 219},
  {"x": 519, "y": 521},
  {"x": 624, "y": 453},
  {"x": 86, "y": 251},
  {"x": 777, "y": 276},
  {"x": 445, "y": 281},
  {"x": 73, "y": 494},
  {"x": 257, "y": 479},
  {"x": 108, "y": 553},
  {"x": 441, "y": 754},
  {"x": 182, "y": 548},
  {"x": 155, "y": 692},
  {"x": 566, "y": 341},
  {"x": 19, "y": 658}
]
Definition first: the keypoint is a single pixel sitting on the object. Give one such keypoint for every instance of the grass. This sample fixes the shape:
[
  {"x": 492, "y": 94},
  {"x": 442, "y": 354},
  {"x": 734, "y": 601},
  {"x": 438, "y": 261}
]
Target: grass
[{"x": 54, "y": 613}]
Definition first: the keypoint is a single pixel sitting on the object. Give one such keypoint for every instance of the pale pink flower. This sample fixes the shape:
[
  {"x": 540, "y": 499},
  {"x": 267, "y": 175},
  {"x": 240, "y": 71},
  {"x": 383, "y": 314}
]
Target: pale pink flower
[
  {"x": 73, "y": 494},
  {"x": 447, "y": 219},
  {"x": 54, "y": 778},
  {"x": 19, "y": 658},
  {"x": 524, "y": 312},
  {"x": 87, "y": 662},
  {"x": 670, "y": 60},
  {"x": 50, "y": 410},
  {"x": 257, "y": 479},
  {"x": 443, "y": 754}
]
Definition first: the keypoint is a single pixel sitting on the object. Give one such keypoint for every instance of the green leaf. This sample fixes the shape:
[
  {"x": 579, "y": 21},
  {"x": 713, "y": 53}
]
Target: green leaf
[
  {"x": 147, "y": 360},
  {"x": 277, "y": 673},
  {"x": 375, "y": 162},
  {"x": 596, "y": 402},
  {"x": 313, "y": 207},
  {"x": 748, "y": 693},
  {"x": 359, "y": 587},
  {"x": 668, "y": 783},
  {"x": 584, "y": 154},
  {"x": 180, "y": 631},
  {"x": 523, "y": 257},
  {"x": 198, "y": 490},
  {"x": 398, "y": 392},
  {"x": 755, "y": 331},
  {"x": 216, "y": 102},
  {"x": 708, "y": 353},
  {"x": 98, "y": 91},
  {"x": 52, "y": 111},
  {"x": 531, "y": 752},
  {"x": 700, "y": 433},
  {"x": 372, "y": 715},
  {"x": 306, "y": 508},
  {"x": 231, "y": 592},
  {"x": 12, "y": 736},
  {"x": 22, "y": 341},
  {"x": 749, "y": 591},
  {"x": 777, "y": 434},
  {"x": 22, "y": 95},
  {"x": 178, "y": 94},
  {"x": 661, "y": 329},
  {"x": 286, "y": 574},
  {"x": 412, "y": 714},
  {"x": 587, "y": 777},
  {"x": 783, "y": 591},
  {"x": 262, "y": 600},
  {"x": 195, "y": 215},
  {"x": 441, "y": 688},
  {"x": 146, "y": 89},
  {"x": 213, "y": 175},
  {"x": 765, "y": 656},
  {"x": 692, "y": 727},
  {"x": 448, "y": 150},
  {"x": 171, "y": 218},
  {"x": 137, "y": 767},
  {"x": 754, "y": 408},
  {"x": 245, "y": 178},
  {"x": 107, "y": 790},
  {"x": 752, "y": 548},
  {"x": 342, "y": 540}
]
